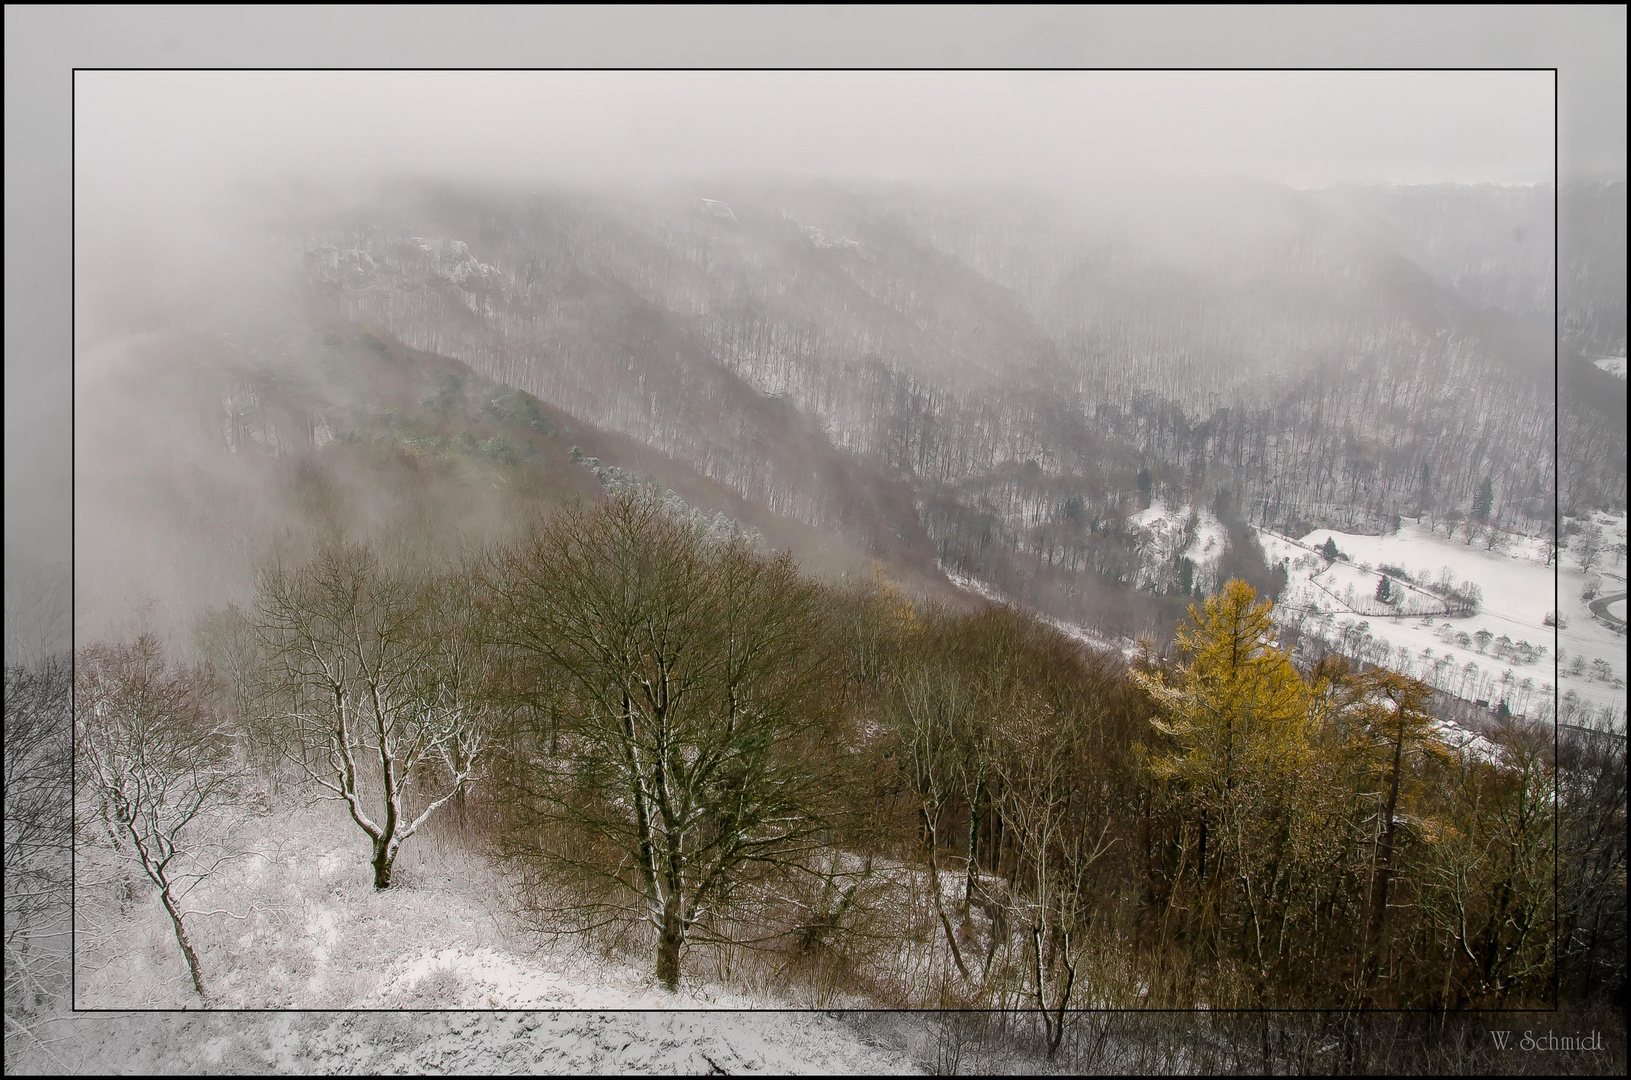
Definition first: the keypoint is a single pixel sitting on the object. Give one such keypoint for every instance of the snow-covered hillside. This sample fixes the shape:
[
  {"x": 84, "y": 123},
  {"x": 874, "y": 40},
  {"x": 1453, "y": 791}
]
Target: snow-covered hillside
[
  {"x": 1083, "y": 634},
  {"x": 1614, "y": 365},
  {"x": 294, "y": 923},
  {"x": 465, "y": 1043},
  {"x": 1173, "y": 534},
  {"x": 447, "y": 977}
]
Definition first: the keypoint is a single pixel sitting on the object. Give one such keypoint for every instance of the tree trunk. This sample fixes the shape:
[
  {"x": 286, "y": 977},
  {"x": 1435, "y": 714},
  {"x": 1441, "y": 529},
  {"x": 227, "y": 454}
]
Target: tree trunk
[
  {"x": 1384, "y": 869},
  {"x": 186, "y": 945},
  {"x": 459, "y": 767},
  {"x": 931, "y": 839},
  {"x": 945, "y": 923},
  {"x": 1201, "y": 872},
  {"x": 1064, "y": 1001},
  {"x": 385, "y": 848},
  {"x": 1150, "y": 866},
  {"x": 669, "y": 940},
  {"x": 383, "y": 858},
  {"x": 1041, "y": 988},
  {"x": 973, "y": 845}
]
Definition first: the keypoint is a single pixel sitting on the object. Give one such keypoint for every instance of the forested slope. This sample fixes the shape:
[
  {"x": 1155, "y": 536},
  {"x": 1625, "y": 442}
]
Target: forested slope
[
  {"x": 997, "y": 382},
  {"x": 205, "y": 452}
]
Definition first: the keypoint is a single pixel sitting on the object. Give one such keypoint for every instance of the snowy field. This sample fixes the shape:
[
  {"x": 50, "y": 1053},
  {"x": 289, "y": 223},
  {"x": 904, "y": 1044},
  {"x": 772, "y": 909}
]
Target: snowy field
[
  {"x": 296, "y": 924},
  {"x": 1511, "y": 650},
  {"x": 1507, "y": 652},
  {"x": 1614, "y": 365}
]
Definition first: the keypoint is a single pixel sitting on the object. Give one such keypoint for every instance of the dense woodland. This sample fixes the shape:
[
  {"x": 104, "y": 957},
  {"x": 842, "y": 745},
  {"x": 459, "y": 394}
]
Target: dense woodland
[{"x": 670, "y": 736}]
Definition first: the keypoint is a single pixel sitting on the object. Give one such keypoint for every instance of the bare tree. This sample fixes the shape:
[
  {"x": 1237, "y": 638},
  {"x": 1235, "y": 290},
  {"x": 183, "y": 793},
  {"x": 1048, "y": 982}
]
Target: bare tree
[
  {"x": 685, "y": 680},
  {"x": 381, "y": 676},
  {"x": 935, "y": 715},
  {"x": 1592, "y": 859},
  {"x": 230, "y": 643},
  {"x": 1588, "y": 548},
  {"x": 156, "y": 761},
  {"x": 38, "y": 827},
  {"x": 1055, "y": 848}
]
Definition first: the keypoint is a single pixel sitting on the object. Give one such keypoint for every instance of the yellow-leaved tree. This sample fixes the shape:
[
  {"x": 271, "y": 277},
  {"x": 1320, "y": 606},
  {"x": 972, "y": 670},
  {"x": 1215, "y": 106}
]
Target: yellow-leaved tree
[{"x": 1236, "y": 717}]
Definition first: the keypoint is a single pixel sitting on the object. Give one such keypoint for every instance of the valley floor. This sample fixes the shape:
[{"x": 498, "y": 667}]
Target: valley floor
[{"x": 1520, "y": 590}]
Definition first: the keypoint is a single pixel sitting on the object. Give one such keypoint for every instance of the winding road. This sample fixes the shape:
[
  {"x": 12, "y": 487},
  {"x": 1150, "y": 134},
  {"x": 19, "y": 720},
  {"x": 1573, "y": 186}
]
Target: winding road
[{"x": 1600, "y": 606}]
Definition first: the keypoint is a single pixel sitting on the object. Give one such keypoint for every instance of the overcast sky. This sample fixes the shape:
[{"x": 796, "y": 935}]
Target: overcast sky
[
  {"x": 143, "y": 134},
  {"x": 147, "y": 138}
]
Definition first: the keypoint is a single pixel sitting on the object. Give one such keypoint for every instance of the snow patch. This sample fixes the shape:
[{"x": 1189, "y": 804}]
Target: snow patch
[
  {"x": 821, "y": 240},
  {"x": 719, "y": 209},
  {"x": 1168, "y": 535},
  {"x": 1069, "y": 629}
]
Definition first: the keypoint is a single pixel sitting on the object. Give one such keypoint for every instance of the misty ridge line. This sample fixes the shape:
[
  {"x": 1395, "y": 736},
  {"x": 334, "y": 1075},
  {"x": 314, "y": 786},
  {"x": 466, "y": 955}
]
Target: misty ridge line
[{"x": 885, "y": 297}]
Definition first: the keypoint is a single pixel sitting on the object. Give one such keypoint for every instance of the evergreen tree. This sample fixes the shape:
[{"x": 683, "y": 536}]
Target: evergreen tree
[
  {"x": 1281, "y": 578},
  {"x": 1484, "y": 501},
  {"x": 1329, "y": 549},
  {"x": 1384, "y": 590}
]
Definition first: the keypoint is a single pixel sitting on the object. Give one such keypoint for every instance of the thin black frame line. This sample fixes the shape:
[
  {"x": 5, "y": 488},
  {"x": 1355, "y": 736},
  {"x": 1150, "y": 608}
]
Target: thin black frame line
[
  {"x": 73, "y": 532},
  {"x": 73, "y": 636},
  {"x": 109, "y": 1010},
  {"x": 1557, "y": 561},
  {"x": 847, "y": 70}
]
